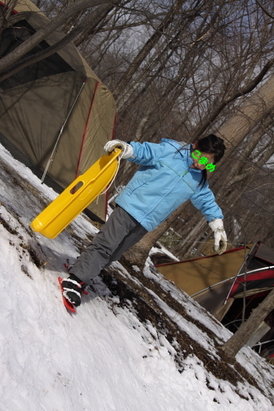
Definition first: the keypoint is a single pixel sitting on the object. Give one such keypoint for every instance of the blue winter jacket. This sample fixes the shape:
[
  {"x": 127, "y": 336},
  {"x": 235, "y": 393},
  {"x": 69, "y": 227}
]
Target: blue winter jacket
[{"x": 163, "y": 183}]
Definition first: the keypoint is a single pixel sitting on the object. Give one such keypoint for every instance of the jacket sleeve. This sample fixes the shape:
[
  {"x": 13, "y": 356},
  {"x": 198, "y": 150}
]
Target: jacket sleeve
[
  {"x": 205, "y": 201},
  {"x": 146, "y": 154}
]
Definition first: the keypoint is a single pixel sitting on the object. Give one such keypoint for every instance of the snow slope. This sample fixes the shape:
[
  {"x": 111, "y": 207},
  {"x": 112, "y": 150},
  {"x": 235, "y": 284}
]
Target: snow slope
[{"x": 103, "y": 358}]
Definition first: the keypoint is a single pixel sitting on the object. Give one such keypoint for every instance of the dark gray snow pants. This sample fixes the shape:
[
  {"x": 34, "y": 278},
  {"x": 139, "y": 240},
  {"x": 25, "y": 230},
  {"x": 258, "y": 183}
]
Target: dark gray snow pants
[{"x": 119, "y": 233}]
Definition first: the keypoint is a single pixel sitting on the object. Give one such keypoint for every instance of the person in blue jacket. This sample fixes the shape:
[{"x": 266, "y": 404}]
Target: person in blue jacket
[{"x": 169, "y": 174}]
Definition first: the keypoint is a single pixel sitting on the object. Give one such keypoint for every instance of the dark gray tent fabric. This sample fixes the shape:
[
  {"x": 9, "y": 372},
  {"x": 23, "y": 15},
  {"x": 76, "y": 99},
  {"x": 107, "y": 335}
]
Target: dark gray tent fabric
[{"x": 56, "y": 109}]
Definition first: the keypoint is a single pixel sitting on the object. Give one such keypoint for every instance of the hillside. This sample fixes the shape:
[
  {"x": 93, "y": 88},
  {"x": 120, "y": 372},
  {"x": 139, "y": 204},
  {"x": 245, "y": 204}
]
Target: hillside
[{"x": 136, "y": 343}]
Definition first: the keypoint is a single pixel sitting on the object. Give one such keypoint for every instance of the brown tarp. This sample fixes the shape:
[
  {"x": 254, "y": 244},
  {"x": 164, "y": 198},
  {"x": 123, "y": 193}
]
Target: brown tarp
[
  {"x": 230, "y": 287},
  {"x": 198, "y": 274},
  {"x": 59, "y": 99},
  {"x": 215, "y": 281}
]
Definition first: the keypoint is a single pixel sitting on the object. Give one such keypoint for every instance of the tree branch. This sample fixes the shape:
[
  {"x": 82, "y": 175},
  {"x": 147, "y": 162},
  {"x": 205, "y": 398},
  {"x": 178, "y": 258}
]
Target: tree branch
[
  {"x": 243, "y": 91},
  {"x": 40, "y": 35},
  {"x": 264, "y": 9},
  {"x": 43, "y": 54}
]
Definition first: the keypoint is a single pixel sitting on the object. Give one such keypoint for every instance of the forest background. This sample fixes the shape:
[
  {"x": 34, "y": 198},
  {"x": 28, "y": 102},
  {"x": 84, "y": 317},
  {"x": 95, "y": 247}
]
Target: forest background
[{"x": 181, "y": 70}]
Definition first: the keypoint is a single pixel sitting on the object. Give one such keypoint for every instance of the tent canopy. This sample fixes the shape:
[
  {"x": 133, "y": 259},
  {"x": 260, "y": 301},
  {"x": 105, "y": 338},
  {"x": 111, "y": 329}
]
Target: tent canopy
[
  {"x": 56, "y": 109},
  {"x": 216, "y": 280},
  {"x": 198, "y": 274},
  {"x": 230, "y": 286}
]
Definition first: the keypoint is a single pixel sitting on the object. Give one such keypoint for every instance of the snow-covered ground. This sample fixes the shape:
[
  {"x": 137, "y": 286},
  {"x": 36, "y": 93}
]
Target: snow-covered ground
[{"x": 102, "y": 358}]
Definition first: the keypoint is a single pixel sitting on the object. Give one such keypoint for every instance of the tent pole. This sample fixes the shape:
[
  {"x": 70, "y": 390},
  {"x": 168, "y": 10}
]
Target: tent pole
[
  {"x": 61, "y": 132},
  {"x": 107, "y": 192},
  {"x": 244, "y": 294}
]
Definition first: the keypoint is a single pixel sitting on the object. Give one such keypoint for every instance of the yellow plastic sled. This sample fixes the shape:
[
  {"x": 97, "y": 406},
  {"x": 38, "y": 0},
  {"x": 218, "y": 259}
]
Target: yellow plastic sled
[{"x": 77, "y": 196}]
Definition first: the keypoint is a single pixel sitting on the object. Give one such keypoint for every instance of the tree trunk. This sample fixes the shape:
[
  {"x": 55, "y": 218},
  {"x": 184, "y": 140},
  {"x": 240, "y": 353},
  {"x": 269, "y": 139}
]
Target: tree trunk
[
  {"x": 248, "y": 328},
  {"x": 249, "y": 114},
  {"x": 139, "y": 252}
]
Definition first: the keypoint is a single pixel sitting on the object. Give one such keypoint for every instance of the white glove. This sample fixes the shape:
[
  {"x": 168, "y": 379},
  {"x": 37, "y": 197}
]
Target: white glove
[
  {"x": 127, "y": 150},
  {"x": 220, "y": 237}
]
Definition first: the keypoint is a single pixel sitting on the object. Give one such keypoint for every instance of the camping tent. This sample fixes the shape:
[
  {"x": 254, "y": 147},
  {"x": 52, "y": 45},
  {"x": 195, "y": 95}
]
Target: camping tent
[
  {"x": 55, "y": 115},
  {"x": 230, "y": 286},
  {"x": 199, "y": 274}
]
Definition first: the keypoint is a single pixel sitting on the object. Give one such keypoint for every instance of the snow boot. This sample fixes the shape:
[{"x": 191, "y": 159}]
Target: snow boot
[{"x": 73, "y": 288}]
